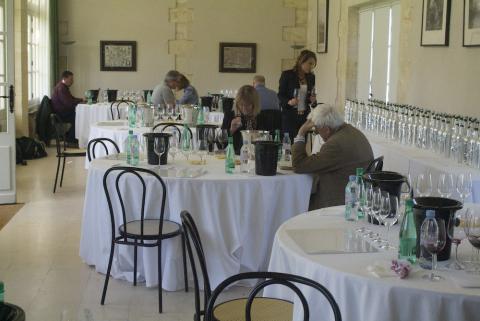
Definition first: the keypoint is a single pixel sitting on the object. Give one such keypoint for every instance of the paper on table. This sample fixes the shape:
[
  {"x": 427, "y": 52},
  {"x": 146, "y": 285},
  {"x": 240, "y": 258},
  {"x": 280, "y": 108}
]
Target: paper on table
[{"x": 330, "y": 241}]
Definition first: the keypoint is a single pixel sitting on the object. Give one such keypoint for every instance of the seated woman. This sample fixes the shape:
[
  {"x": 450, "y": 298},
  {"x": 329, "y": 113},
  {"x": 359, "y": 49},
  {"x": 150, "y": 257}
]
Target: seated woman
[
  {"x": 244, "y": 116},
  {"x": 190, "y": 95}
]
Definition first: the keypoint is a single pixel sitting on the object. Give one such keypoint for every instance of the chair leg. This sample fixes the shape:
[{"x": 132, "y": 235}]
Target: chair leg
[
  {"x": 56, "y": 176},
  {"x": 63, "y": 170},
  {"x": 107, "y": 276},
  {"x": 185, "y": 276},
  {"x": 135, "y": 264},
  {"x": 160, "y": 301}
]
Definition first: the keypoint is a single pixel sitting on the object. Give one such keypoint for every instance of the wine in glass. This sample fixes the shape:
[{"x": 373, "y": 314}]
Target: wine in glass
[
  {"x": 222, "y": 139},
  {"x": 424, "y": 185},
  {"x": 159, "y": 147},
  {"x": 464, "y": 186},
  {"x": 445, "y": 185},
  {"x": 433, "y": 239},
  {"x": 472, "y": 231},
  {"x": 210, "y": 133}
]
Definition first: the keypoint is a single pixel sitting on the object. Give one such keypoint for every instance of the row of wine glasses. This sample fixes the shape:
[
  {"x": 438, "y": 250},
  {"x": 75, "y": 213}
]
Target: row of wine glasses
[
  {"x": 168, "y": 112},
  {"x": 445, "y": 185}
]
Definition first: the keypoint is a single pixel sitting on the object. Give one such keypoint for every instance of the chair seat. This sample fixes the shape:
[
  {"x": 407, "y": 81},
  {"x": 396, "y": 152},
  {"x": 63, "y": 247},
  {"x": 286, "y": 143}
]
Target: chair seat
[
  {"x": 263, "y": 309},
  {"x": 150, "y": 229},
  {"x": 73, "y": 154}
]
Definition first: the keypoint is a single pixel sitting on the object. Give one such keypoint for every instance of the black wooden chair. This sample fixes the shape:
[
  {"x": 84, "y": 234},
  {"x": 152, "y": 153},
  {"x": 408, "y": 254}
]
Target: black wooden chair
[
  {"x": 175, "y": 126},
  {"x": 376, "y": 165},
  {"x": 141, "y": 232},
  {"x": 92, "y": 144},
  {"x": 116, "y": 104},
  {"x": 59, "y": 132},
  {"x": 268, "y": 308}
]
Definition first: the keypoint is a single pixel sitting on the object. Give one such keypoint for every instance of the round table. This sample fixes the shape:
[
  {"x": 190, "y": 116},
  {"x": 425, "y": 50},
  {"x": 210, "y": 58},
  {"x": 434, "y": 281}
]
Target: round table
[
  {"x": 360, "y": 295},
  {"x": 237, "y": 216}
]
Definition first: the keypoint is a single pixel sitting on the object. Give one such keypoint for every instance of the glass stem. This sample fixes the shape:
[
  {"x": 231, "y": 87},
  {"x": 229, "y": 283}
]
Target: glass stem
[
  {"x": 456, "y": 252},
  {"x": 434, "y": 263}
]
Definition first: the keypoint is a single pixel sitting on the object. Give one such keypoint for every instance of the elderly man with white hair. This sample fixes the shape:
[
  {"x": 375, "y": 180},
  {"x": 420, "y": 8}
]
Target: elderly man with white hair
[{"x": 345, "y": 149}]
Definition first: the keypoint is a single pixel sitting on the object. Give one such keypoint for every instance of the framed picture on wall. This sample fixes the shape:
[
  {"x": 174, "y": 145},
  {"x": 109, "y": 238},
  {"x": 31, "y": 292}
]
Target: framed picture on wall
[
  {"x": 471, "y": 23},
  {"x": 118, "y": 56},
  {"x": 322, "y": 25},
  {"x": 238, "y": 57},
  {"x": 435, "y": 23}
]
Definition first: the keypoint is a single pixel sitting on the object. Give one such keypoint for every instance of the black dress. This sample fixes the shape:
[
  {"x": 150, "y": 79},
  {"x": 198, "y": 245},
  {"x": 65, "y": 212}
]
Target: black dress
[
  {"x": 291, "y": 120},
  {"x": 260, "y": 124}
]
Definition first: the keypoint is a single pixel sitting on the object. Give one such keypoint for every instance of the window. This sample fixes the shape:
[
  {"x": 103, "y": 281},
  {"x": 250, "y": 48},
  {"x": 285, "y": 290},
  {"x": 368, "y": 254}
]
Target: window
[
  {"x": 377, "y": 68},
  {"x": 37, "y": 47}
]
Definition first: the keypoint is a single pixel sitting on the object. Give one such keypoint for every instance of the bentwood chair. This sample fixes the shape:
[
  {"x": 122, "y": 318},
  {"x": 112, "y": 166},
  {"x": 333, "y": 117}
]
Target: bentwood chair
[
  {"x": 173, "y": 126},
  {"x": 376, "y": 165},
  {"x": 140, "y": 232},
  {"x": 103, "y": 141},
  {"x": 117, "y": 105},
  {"x": 59, "y": 131},
  {"x": 264, "y": 309}
]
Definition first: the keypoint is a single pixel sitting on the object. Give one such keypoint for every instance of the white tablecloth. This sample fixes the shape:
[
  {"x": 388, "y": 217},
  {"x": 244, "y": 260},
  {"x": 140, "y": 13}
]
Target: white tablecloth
[
  {"x": 407, "y": 159},
  {"x": 237, "y": 216},
  {"x": 360, "y": 295},
  {"x": 86, "y": 115}
]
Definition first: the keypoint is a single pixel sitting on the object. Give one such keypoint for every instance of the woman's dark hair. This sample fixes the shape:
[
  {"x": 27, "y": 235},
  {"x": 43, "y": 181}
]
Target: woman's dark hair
[
  {"x": 304, "y": 56},
  {"x": 66, "y": 74},
  {"x": 183, "y": 82}
]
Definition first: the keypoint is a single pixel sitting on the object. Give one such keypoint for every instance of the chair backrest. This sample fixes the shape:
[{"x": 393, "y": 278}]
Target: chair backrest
[
  {"x": 177, "y": 126},
  {"x": 117, "y": 105},
  {"x": 43, "y": 123},
  {"x": 93, "y": 143},
  {"x": 376, "y": 165},
  {"x": 59, "y": 132},
  {"x": 271, "y": 278},
  {"x": 138, "y": 173},
  {"x": 272, "y": 120},
  {"x": 193, "y": 237}
]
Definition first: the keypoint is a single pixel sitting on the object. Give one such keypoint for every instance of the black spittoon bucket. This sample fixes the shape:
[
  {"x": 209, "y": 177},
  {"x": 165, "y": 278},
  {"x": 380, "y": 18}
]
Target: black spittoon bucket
[
  {"x": 112, "y": 95},
  {"x": 390, "y": 182},
  {"x": 10, "y": 312},
  {"x": 94, "y": 93},
  {"x": 266, "y": 157},
  {"x": 445, "y": 209},
  {"x": 150, "y": 140}
]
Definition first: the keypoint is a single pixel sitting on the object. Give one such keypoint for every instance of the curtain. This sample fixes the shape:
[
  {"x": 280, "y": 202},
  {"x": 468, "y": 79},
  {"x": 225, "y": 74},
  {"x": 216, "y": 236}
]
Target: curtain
[{"x": 54, "y": 46}]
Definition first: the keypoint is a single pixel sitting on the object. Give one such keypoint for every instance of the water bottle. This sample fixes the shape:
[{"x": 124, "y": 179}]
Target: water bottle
[
  {"x": 350, "y": 198},
  {"x": 245, "y": 157},
  {"x": 408, "y": 235},
  {"x": 149, "y": 98},
  {"x": 135, "y": 150},
  {"x": 132, "y": 116},
  {"x": 360, "y": 197},
  {"x": 230, "y": 157},
  {"x": 277, "y": 140},
  {"x": 287, "y": 147},
  {"x": 127, "y": 146},
  {"x": 425, "y": 258}
]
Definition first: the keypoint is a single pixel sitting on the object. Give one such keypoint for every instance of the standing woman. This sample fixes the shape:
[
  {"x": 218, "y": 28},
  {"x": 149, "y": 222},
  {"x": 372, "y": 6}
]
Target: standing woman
[{"x": 296, "y": 92}]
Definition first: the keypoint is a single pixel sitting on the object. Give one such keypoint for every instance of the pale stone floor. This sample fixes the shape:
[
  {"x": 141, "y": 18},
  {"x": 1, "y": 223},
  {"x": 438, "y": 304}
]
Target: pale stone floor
[{"x": 41, "y": 267}]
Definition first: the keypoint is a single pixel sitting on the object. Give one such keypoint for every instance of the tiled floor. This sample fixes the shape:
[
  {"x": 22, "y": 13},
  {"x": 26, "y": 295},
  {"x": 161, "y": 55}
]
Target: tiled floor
[{"x": 41, "y": 268}]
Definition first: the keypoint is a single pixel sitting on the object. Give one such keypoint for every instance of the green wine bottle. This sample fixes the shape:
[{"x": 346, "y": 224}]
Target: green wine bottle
[
  {"x": 408, "y": 235},
  {"x": 230, "y": 157},
  {"x": 277, "y": 140}
]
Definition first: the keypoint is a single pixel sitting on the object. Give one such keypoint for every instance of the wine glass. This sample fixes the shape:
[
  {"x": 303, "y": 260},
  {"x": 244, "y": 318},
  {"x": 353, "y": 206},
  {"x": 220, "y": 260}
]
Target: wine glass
[
  {"x": 186, "y": 145},
  {"x": 173, "y": 144},
  {"x": 464, "y": 186},
  {"x": 361, "y": 204},
  {"x": 376, "y": 208},
  {"x": 222, "y": 139},
  {"x": 159, "y": 147},
  {"x": 390, "y": 217},
  {"x": 456, "y": 234},
  {"x": 472, "y": 232},
  {"x": 445, "y": 185},
  {"x": 433, "y": 238},
  {"x": 424, "y": 185},
  {"x": 201, "y": 148},
  {"x": 210, "y": 133}
]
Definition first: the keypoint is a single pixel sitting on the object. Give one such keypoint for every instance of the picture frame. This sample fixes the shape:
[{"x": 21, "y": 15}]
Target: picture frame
[
  {"x": 471, "y": 23},
  {"x": 118, "y": 55},
  {"x": 435, "y": 23},
  {"x": 238, "y": 57},
  {"x": 322, "y": 25}
]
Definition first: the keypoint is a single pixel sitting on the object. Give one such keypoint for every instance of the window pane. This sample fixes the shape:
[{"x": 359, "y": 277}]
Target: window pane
[
  {"x": 364, "y": 53},
  {"x": 393, "y": 81},
  {"x": 2, "y": 18},
  {"x": 2, "y": 57},
  {"x": 380, "y": 52}
]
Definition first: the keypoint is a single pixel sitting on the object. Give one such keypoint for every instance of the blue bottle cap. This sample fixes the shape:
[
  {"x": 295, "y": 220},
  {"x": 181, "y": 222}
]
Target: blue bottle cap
[
  {"x": 430, "y": 213},
  {"x": 352, "y": 178}
]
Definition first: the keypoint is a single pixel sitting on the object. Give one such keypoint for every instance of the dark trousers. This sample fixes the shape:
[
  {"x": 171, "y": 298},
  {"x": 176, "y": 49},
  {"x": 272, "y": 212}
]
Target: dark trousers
[
  {"x": 292, "y": 121},
  {"x": 69, "y": 117}
]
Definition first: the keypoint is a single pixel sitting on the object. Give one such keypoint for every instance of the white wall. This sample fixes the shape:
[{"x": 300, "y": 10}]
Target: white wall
[{"x": 147, "y": 22}]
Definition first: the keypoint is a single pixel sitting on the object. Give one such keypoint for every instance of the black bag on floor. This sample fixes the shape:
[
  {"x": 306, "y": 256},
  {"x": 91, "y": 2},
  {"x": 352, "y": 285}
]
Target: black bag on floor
[{"x": 30, "y": 148}]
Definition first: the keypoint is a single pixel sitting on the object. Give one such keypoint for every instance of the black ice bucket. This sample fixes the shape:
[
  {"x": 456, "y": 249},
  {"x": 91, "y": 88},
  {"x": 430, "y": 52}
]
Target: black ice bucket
[
  {"x": 445, "y": 209},
  {"x": 10, "y": 312},
  {"x": 150, "y": 141},
  {"x": 266, "y": 157},
  {"x": 207, "y": 101},
  {"x": 112, "y": 95},
  {"x": 94, "y": 94}
]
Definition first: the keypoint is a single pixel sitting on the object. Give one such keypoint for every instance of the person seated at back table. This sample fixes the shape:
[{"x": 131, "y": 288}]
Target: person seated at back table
[
  {"x": 244, "y": 116},
  {"x": 163, "y": 93},
  {"x": 64, "y": 103},
  {"x": 268, "y": 98},
  {"x": 190, "y": 95},
  {"x": 345, "y": 149}
]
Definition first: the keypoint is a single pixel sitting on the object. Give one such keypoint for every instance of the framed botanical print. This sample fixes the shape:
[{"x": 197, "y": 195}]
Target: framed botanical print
[
  {"x": 238, "y": 57},
  {"x": 471, "y": 23},
  {"x": 322, "y": 26},
  {"x": 118, "y": 55},
  {"x": 435, "y": 23}
]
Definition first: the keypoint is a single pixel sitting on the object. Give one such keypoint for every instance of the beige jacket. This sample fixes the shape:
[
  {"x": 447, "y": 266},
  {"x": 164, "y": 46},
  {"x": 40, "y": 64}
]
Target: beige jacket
[{"x": 346, "y": 150}]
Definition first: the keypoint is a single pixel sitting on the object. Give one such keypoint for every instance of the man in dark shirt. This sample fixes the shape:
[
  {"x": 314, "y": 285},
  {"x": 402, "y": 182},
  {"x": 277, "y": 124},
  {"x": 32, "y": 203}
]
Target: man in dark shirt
[{"x": 64, "y": 104}]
